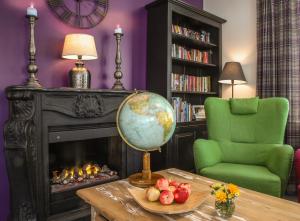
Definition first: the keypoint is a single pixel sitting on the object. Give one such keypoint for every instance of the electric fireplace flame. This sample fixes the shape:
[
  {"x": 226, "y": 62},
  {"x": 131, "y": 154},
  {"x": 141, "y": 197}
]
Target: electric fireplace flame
[{"x": 73, "y": 177}]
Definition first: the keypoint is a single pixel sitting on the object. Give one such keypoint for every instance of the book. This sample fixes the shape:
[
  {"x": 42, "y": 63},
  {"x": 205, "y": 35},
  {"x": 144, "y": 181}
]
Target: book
[
  {"x": 190, "y": 83},
  {"x": 203, "y": 36},
  {"x": 191, "y": 54},
  {"x": 183, "y": 110}
]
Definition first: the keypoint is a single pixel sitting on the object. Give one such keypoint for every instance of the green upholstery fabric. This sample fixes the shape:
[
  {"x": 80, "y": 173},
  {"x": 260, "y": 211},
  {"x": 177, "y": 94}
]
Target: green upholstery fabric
[
  {"x": 244, "y": 106},
  {"x": 245, "y": 143},
  {"x": 212, "y": 154},
  {"x": 246, "y": 176}
]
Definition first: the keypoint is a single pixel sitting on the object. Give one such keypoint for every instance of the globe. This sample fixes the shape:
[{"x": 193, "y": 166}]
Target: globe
[{"x": 146, "y": 121}]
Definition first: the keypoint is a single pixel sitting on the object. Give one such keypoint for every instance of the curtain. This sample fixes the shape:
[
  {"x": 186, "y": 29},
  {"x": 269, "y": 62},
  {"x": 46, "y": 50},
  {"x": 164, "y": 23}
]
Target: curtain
[{"x": 278, "y": 58}]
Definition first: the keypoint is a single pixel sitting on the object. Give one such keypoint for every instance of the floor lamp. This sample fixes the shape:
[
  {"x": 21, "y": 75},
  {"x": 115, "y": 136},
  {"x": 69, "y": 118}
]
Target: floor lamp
[{"x": 232, "y": 74}]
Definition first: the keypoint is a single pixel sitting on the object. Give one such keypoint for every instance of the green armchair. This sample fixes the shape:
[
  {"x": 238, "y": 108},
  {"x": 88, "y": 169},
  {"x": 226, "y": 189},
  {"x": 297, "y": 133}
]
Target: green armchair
[{"x": 245, "y": 144}]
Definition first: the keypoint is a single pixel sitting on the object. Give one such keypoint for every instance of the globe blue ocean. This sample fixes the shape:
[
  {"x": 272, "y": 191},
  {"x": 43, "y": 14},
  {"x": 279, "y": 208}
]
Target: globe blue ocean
[{"x": 146, "y": 121}]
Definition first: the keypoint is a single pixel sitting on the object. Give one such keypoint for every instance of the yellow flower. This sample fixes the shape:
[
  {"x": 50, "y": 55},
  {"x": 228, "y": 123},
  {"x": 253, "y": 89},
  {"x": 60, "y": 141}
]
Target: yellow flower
[
  {"x": 230, "y": 196},
  {"x": 221, "y": 196},
  {"x": 233, "y": 189}
]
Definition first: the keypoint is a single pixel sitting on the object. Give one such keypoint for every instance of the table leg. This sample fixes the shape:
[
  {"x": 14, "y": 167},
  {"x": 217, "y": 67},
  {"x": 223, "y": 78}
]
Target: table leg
[{"x": 93, "y": 214}]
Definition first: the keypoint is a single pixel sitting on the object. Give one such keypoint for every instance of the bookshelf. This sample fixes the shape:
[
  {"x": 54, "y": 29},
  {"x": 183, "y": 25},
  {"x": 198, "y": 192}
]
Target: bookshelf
[
  {"x": 194, "y": 92},
  {"x": 185, "y": 62},
  {"x": 179, "y": 37},
  {"x": 185, "y": 41}
]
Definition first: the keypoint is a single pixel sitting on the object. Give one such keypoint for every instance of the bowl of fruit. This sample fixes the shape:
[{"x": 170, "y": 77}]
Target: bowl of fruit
[{"x": 169, "y": 197}]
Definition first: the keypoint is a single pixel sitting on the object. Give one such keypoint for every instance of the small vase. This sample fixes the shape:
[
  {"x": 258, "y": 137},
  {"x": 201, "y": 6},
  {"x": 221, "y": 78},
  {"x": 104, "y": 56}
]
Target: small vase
[{"x": 225, "y": 210}]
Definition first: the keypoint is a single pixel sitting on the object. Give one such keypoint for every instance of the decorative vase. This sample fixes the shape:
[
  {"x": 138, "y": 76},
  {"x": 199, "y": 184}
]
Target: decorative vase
[{"x": 225, "y": 209}]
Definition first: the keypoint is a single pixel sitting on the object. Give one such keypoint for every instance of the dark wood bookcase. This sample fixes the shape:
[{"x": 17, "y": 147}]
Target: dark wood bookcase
[{"x": 162, "y": 14}]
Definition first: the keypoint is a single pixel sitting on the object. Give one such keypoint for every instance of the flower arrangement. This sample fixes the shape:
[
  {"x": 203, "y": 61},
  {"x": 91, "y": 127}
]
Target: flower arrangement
[
  {"x": 224, "y": 192},
  {"x": 225, "y": 196}
]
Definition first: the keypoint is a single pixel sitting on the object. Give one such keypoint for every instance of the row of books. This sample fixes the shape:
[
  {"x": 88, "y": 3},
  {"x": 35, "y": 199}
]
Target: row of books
[
  {"x": 203, "y": 36},
  {"x": 191, "y": 54},
  {"x": 182, "y": 82},
  {"x": 183, "y": 110}
]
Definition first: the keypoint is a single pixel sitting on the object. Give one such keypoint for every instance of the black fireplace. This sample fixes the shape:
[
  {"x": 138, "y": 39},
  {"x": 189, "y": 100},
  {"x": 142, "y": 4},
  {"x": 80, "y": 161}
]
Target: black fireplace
[{"x": 58, "y": 141}]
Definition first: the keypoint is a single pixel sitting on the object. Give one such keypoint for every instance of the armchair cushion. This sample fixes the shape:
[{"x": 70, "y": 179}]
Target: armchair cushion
[
  {"x": 257, "y": 178},
  {"x": 244, "y": 106},
  {"x": 246, "y": 153}
]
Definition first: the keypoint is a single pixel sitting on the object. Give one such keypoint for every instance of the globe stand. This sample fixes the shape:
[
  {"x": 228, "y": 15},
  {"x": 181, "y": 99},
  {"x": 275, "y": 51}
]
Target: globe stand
[{"x": 146, "y": 178}]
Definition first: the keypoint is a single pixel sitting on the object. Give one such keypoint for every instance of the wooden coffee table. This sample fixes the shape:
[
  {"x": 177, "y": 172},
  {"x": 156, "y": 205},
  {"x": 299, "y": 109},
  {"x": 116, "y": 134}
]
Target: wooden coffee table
[{"x": 112, "y": 201}]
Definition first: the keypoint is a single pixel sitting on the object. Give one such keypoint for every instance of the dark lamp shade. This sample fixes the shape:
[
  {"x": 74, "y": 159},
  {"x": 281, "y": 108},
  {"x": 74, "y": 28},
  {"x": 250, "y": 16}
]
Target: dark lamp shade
[{"x": 232, "y": 71}]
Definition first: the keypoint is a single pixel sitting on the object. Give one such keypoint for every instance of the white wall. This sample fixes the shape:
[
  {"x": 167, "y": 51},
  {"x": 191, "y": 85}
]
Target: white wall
[{"x": 239, "y": 40}]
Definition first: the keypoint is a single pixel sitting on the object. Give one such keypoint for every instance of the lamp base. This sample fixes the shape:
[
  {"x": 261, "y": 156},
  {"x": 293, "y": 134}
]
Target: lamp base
[
  {"x": 138, "y": 180},
  {"x": 80, "y": 77}
]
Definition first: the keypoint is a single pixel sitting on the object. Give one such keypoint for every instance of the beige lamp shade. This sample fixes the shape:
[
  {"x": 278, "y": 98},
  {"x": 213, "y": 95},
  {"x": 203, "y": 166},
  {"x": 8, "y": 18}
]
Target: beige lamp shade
[
  {"x": 232, "y": 73},
  {"x": 79, "y": 46}
]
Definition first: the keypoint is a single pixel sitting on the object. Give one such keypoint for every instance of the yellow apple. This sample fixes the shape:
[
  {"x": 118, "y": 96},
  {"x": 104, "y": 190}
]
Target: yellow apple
[{"x": 152, "y": 194}]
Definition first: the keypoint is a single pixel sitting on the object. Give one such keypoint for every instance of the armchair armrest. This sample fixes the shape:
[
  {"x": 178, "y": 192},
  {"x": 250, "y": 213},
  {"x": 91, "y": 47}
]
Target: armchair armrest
[
  {"x": 206, "y": 153},
  {"x": 280, "y": 163}
]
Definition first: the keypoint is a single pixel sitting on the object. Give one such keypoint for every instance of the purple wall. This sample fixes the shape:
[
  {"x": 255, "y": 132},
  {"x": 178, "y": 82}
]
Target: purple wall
[{"x": 50, "y": 32}]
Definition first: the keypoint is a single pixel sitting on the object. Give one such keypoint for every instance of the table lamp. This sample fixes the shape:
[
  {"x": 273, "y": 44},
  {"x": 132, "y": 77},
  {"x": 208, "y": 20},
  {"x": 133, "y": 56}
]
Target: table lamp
[
  {"x": 232, "y": 74},
  {"x": 79, "y": 47}
]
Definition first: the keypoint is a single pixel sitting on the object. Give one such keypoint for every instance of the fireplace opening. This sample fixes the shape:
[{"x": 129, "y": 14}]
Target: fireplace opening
[
  {"x": 79, "y": 164},
  {"x": 80, "y": 176}
]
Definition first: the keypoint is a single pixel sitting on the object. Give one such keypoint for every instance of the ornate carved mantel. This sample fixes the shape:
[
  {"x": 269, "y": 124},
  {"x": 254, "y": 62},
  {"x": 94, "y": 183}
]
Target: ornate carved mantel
[{"x": 27, "y": 135}]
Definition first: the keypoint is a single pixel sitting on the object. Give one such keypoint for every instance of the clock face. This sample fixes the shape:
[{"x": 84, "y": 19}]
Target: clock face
[{"x": 80, "y": 13}]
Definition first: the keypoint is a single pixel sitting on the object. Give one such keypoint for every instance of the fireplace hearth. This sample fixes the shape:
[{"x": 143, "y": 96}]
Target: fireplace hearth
[{"x": 58, "y": 141}]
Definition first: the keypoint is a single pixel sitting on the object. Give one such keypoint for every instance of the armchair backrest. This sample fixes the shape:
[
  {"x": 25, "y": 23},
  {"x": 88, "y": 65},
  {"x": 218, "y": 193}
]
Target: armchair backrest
[{"x": 247, "y": 120}]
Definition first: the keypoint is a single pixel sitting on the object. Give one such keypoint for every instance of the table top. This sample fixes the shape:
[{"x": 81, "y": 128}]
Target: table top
[{"x": 113, "y": 201}]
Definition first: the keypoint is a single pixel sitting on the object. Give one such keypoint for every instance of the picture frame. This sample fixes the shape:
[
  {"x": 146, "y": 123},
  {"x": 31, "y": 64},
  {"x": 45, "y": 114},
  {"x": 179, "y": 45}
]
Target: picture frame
[{"x": 198, "y": 112}]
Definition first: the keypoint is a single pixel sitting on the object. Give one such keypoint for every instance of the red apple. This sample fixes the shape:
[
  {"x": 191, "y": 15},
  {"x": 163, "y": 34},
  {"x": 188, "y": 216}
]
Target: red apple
[
  {"x": 152, "y": 194},
  {"x": 186, "y": 186},
  {"x": 162, "y": 184},
  {"x": 173, "y": 183},
  {"x": 166, "y": 197},
  {"x": 181, "y": 195}
]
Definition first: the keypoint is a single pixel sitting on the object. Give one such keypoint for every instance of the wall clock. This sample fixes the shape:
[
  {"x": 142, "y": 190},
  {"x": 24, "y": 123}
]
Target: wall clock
[{"x": 80, "y": 13}]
